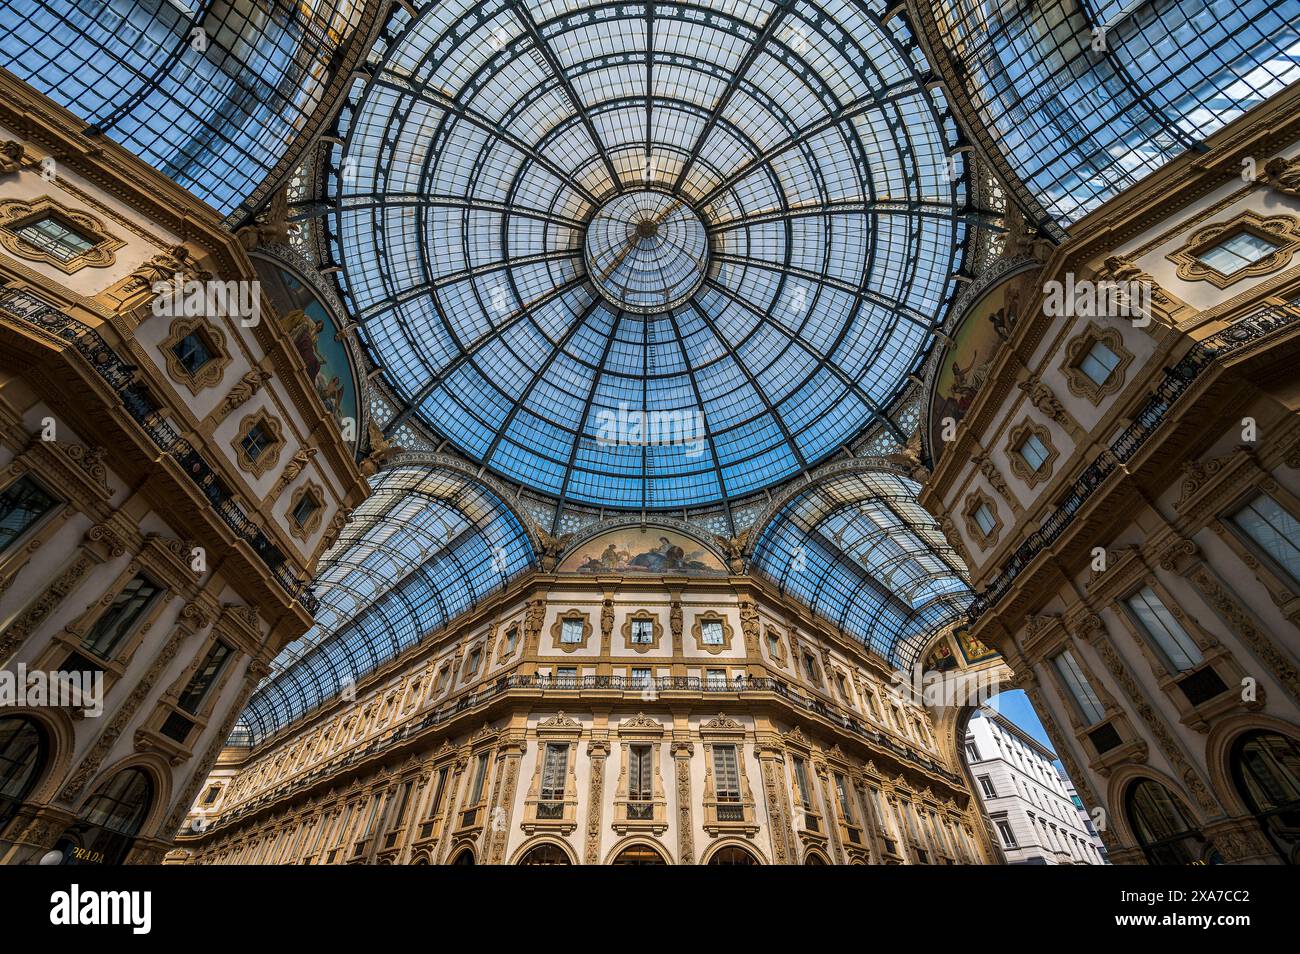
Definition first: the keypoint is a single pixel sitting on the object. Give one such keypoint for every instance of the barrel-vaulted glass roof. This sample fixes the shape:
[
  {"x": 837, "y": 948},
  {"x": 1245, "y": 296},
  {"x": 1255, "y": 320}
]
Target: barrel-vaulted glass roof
[
  {"x": 210, "y": 92},
  {"x": 646, "y": 254},
  {"x": 425, "y": 547},
  {"x": 860, "y": 552},
  {"x": 1085, "y": 97}
]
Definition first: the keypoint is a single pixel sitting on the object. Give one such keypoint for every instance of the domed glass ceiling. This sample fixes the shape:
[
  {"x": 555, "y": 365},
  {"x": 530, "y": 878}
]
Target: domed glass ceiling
[
  {"x": 646, "y": 254},
  {"x": 425, "y": 547},
  {"x": 209, "y": 92},
  {"x": 861, "y": 552}
]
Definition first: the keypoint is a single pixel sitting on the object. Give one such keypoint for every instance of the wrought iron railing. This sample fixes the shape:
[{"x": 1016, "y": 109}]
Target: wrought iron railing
[
  {"x": 146, "y": 412},
  {"x": 1176, "y": 381}
]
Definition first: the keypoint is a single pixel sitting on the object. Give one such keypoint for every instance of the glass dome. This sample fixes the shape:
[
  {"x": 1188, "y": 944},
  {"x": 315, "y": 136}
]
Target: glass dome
[
  {"x": 209, "y": 92},
  {"x": 646, "y": 255},
  {"x": 424, "y": 548},
  {"x": 1085, "y": 97},
  {"x": 860, "y": 552}
]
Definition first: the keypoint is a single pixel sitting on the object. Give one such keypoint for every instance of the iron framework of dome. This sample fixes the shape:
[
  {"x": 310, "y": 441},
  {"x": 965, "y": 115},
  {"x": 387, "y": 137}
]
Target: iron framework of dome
[
  {"x": 425, "y": 547},
  {"x": 1083, "y": 98},
  {"x": 742, "y": 220},
  {"x": 860, "y": 552},
  {"x": 209, "y": 92}
]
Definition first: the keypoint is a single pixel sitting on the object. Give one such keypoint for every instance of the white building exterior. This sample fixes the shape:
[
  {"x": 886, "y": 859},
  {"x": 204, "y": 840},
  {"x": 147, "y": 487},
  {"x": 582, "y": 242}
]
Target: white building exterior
[{"x": 1030, "y": 805}]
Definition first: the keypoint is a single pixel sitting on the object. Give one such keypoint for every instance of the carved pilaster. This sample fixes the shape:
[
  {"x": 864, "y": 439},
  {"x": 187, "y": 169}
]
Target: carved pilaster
[
  {"x": 1241, "y": 623},
  {"x": 121, "y": 718},
  {"x": 682, "y": 752},
  {"x": 597, "y": 752},
  {"x": 503, "y": 800}
]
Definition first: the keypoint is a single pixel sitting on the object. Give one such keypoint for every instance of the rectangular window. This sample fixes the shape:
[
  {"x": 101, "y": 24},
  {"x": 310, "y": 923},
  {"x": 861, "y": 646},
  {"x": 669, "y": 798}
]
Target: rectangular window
[
  {"x": 1008, "y": 836},
  {"x": 846, "y": 805},
  {"x": 512, "y": 637},
  {"x": 640, "y": 678},
  {"x": 987, "y": 785},
  {"x": 773, "y": 645},
  {"x": 726, "y": 783},
  {"x": 640, "y": 784},
  {"x": 643, "y": 632},
  {"x": 22, "y": 504},
  {"x": 480, "y": 774},
  {"x": 801, "y": 778},
  {"x": 49, "y": 235},
  {"x": 972, "y": 752},
  {"x": 1080, "y": 689},
  {"x": 436, "y": 804},
  {"x": 255, "y": 441},
  {"x": 566, "y": 676},
  {"x": 116, "y": 621},
  {"x": 1273, "y": 530},
  {"x": 1165, "y": 632},
  {"x": 1099, "y": 363},
  {"x": 1034, "y": 451},
  {"x": 192, "y": 697},
  {"x": 571, "y": 631},
  {"x": 554, "y": 768},
  {"x": 193, "y": 352},
  {"x": 306, "y": 506},
  {"x": 984, "y": 519},
  {"x": 711, "y": 632},
  {"x": 810, "y": 667},
  {"x": 716, "y": 680},
  {"x": 1237, "y": 251}
]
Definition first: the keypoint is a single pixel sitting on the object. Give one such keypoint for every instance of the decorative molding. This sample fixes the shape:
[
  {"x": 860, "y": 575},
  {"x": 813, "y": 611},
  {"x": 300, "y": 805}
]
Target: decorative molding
[
  {"x": 270, "y": 455},
  {"x": 16, "y": 213},
  {"x": 1078, "y": 383},
  {"x": 1282, "y": 231},
  {"x": 657, "y": 630},
  {"x": 1019, "y": 466},
  {"x": 557, "y": 630},
  {"x": 209, "y": 373}
]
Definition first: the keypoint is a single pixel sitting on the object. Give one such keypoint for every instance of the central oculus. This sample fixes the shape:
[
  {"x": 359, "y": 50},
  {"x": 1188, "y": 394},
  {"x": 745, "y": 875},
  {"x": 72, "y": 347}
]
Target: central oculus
[{"x": 646, "y": 251}]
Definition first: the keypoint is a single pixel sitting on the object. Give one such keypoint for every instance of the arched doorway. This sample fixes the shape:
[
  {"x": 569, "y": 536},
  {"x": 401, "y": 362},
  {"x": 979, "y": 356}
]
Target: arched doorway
[
  {"x": 1266, "y": 770},
  {"x": 1164, "y": 830},
  {"x": 466, "y": 857},
  {"x": 24, "y": 752},
  {"x": 545, "y": 854},
  {"x": 110, "y": 820},
  {"x": 638, "y": 855},
  {"x": 732, "y": 855}
]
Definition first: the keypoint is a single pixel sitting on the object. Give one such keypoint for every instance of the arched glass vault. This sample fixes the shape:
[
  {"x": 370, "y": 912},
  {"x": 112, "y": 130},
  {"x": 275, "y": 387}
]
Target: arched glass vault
[
  {"x": 424, "y": 548},
  {"x": 741, "y": 220},
  {"x": 860, "y": 552},
  {"x": 1085, "y": 97},
  {"x": 210, "y": 92}
]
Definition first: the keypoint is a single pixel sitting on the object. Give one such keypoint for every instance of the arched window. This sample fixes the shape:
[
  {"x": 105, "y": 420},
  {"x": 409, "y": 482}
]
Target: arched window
[
  {"x": 639, "y": 855},
  {"x": 110, "y": 820},
  {"x": 1164, "y": 831},
  {"x": 24, "y": 751},
  {"x": 813, "y": 858},
  {"x": 731, "y": 855},
  {"x": 466, "y": 857},
  {"x": 545, "y": 854},
  {"x": 1266, "y": 771}
]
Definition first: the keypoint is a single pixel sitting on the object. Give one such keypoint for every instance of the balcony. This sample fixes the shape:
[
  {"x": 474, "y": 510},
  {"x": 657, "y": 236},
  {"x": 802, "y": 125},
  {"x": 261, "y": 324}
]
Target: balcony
[
  {"x": 1146, "y": 422},
  {"x": 148, "y": 414}
]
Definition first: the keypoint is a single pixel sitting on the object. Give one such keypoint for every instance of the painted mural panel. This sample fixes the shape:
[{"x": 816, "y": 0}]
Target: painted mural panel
[
  {"x": 315, "y": 336},
  {"x": 638, "y": 550}
]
